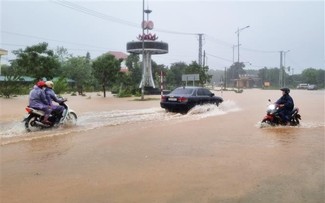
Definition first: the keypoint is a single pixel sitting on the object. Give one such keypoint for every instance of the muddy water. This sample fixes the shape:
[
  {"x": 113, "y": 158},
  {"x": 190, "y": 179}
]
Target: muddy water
[{"x": 123, "y": 150}]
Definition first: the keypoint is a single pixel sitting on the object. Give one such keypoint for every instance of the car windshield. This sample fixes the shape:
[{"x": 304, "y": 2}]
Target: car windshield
[{"x": 182, "y": 91}]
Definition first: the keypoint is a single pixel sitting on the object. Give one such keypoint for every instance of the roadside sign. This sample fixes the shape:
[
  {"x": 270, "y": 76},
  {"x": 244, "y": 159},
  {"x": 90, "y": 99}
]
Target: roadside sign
[{"x": 190, "y": 77}]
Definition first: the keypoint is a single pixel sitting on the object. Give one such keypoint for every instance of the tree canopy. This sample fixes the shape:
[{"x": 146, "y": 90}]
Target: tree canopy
[
  {"x": 37, "y": 61},
  {"x": 106, "y": 68}
]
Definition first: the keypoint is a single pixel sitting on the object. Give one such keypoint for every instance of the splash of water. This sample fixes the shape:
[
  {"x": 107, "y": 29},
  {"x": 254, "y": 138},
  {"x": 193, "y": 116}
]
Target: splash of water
[
  {"x": 303, "y": 124},
  {"x": 92, "y": 120}
]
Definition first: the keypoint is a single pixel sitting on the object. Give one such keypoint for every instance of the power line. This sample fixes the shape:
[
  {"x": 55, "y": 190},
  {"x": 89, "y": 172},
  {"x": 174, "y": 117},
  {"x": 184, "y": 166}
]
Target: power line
[
  {"x": 43, "y": 38},
  {"x": 228, "y": 60},
  {"x": 218, "y": 41},
  {"x": 102, "y": 16},
  {"x": 260, "y": 51}
]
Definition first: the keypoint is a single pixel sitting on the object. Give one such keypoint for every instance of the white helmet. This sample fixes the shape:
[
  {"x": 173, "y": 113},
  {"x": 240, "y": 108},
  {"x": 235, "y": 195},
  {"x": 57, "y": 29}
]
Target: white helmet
[{"x": 49, "y": 84}]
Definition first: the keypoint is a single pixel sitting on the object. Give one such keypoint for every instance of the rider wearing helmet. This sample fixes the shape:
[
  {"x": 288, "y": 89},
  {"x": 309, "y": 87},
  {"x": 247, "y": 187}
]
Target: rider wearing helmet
[
  {"x": 37, "y": 100},
  {"x": 51, "y": 96},
  {"x": 286, "y": 105}
]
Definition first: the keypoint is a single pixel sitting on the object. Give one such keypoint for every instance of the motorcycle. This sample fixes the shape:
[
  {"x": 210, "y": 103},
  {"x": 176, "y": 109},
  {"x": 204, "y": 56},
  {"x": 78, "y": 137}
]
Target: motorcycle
[
  {"x": 33, "y": 121},
  {"x": 272, "y": 116}
]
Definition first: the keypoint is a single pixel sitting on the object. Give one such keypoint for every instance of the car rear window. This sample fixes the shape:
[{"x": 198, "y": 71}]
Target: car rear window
[{"x": 182, "y": 91}]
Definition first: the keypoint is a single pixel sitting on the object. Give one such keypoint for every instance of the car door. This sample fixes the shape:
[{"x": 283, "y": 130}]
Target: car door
[
  {"x": 202, "y": 96},
  {"x": 209, "y": 96}
]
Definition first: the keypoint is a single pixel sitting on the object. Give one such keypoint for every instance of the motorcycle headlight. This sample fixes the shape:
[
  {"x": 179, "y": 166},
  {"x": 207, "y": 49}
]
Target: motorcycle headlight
[{"x": 270, "y": 108}]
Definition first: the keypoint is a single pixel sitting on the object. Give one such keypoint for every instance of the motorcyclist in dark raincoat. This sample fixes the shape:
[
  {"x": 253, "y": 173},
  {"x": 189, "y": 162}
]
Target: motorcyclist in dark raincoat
[
  {"x": 286, "y": 105},
  {"x": 37, "y": 100}
]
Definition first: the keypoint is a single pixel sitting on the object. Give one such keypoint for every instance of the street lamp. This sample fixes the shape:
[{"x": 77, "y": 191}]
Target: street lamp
[
  {"x": 237, "y": 32},
  {"x": 142, "y": 85},
  {"x": 233, "y": 52},
  {"x": 283, "y": 69},
  {"x": 284, "y": 57}
]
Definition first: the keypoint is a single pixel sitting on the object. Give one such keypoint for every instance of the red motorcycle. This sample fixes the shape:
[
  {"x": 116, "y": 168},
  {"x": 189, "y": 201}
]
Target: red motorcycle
[{"x": 272, "y": 116}]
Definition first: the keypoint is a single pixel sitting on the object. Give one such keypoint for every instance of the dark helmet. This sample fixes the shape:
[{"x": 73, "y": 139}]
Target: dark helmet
[{"x": 285, "y": 90}]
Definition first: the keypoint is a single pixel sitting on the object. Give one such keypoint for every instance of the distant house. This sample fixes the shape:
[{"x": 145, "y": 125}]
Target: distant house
[
  {"x": 123, "y": 56},
  {"x": 2, "y": 52},
  {"x": 248, "y": 81},
  {"x": 31, "y": 81}
]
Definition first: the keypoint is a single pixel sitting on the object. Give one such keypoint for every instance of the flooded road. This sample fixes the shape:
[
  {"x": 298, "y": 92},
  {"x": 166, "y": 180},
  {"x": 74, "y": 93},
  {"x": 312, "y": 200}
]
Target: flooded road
[
  {"x": 14, "y": 131},
  {"x": 123, "y": 150}
]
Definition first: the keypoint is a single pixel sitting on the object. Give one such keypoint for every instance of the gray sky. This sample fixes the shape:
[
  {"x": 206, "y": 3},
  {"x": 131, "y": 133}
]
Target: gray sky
[{"x": 101, "y": 26}]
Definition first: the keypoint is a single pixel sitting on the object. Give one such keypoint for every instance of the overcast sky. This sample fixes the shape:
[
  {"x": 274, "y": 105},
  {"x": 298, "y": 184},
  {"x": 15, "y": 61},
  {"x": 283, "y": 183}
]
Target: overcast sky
[{"x": 101, "y": 26}]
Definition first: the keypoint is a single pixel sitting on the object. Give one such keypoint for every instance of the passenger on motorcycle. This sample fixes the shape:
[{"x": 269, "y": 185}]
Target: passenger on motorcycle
[
  {"x": 51, "y": 96},
  {"x": 285, "y": 104},
  {"x": 37, "y": 100}
]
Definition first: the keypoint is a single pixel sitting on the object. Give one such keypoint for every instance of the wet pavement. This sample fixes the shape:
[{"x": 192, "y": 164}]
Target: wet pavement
[{"x": 131, "y": 151}]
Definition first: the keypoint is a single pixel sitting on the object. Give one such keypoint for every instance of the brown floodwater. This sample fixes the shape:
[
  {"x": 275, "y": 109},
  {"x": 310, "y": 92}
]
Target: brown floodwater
[{"x": 124, "y": 150}]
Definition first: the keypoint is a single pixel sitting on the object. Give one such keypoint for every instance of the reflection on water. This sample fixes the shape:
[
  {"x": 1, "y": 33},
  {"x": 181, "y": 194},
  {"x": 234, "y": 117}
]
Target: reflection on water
[
  {"x": 289, "y": 134},
  {"x": 56, "y": 146},
  {"x": 283, "y": 134},
  {"x": 15, "y": 132}
]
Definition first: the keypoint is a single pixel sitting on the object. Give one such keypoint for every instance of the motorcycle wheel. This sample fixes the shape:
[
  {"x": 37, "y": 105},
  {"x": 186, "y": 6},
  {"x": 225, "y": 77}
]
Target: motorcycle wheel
[
  {"x": 31, "y": 125},
  {"x": 266, "y": 123},
  {"x": 71, "y": 118},
  {"x": 296, "y": 120}
]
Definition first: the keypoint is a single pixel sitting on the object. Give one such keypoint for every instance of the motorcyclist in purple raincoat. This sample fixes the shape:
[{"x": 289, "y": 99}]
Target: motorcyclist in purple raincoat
[
  {"x": 37, "y": 100},
  {"x": 286, "y": 105},
  {"x": 51, "y": 96}
]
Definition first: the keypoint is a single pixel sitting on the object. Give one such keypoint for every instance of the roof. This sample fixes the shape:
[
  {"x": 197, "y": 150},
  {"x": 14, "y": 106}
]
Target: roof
[
  {"x": 3, "y": 52},
  {"x": 23, "y": 78},
  {"x": 118, "y": 54}
]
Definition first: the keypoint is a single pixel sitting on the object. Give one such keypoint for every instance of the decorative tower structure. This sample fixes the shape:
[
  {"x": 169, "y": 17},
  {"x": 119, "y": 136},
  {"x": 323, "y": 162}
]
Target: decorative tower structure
[{"x": 147, "y": 46}]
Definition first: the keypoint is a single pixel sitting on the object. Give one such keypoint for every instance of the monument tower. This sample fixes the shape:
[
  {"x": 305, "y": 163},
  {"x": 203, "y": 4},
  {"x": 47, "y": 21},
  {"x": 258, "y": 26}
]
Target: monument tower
[{"x": 147, "y": 46}]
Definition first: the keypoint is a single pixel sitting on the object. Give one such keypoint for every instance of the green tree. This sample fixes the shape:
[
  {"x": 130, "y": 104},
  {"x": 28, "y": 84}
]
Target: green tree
[
  {"x": 37, "y": 61},
  {"x": 106, "y": 68},
  {"x": 79, "y": 70},
  {"x": 320, "y": 78},
  {"x": 309, "y": 75},
  {"x": 12, "y": 80},
  {"x": 195, "y": 68},
  {"x": 156, "y": 72},
  {"x": 235, "y": 70},
  {"x": 269, "y": 75},
  {"x": 62, "y": 55},
  {"x": 174, "y": 75},
  {"x": 61, "y": 85},
  {"x": 134, "y": 73},
  {"x": 313, "y": 76}
]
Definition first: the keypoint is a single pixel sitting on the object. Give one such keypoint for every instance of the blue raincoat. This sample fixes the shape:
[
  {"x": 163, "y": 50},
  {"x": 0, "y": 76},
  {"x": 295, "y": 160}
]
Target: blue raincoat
[
  {"x": 51, "y": 96},
  {"x": 37, "y": 100}
]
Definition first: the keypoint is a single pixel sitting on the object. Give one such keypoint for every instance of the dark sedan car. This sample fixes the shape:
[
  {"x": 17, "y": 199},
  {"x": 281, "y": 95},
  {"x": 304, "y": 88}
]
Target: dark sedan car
[{"x": 182, "y": 99}]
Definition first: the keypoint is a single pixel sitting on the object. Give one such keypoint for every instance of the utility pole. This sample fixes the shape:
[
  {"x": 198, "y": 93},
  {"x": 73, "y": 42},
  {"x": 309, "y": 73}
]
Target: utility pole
[
  {"x": 204, "y": 59},
  {"x": 281, "y": 70},
  {"x": 237, "y": 32},
  {"x": 200, "y": 49},
  {"x": 225, "y": 80},
  {"x": 233, "y": 53},
  {"x": 284, "y": 67}
]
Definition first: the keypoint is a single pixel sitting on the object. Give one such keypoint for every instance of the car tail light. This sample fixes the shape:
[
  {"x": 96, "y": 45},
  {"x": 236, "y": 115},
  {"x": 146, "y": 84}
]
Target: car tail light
[
  {"x": 163, "y": 98},
  {"x": 182, "y": 99}
]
